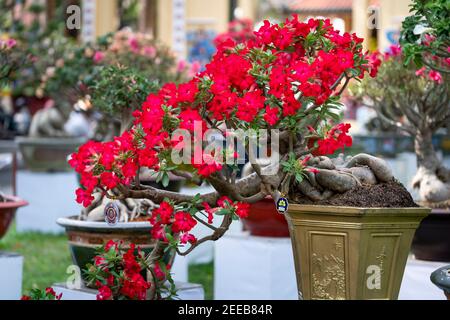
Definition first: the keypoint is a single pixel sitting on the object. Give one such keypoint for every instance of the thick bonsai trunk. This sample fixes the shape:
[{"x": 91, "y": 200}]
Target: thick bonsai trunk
[
  {"x": 126, "y": 119},
  {"x": 432, "y": 178}
]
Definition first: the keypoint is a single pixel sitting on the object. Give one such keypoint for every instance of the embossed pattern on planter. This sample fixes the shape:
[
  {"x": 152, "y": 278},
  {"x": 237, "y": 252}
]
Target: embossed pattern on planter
[{"x": 327, "y": 265}]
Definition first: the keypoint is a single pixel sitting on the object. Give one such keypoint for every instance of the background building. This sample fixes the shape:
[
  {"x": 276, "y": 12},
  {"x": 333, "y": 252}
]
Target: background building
[{"x": 180, "y": 22}]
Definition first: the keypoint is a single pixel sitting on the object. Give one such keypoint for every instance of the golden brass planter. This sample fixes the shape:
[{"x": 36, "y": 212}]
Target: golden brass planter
[{"x": 351, "y": 253}]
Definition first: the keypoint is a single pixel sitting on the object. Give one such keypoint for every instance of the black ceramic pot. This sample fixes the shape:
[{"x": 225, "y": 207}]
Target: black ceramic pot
[
  {"x": 432, "y": 239},
  {"x": 441, "y": 278},
  {"x": 85, "y": 237}
]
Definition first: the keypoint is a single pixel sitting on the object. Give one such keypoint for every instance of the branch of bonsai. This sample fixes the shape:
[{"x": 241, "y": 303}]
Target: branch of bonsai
[
  {"x": 344, "y": 86},
  {"x": 156, "y": 254},
  {"x": 338, "y": 81},
  {"x": 187, "y": 176},
  {"x": 204, "y": 223},
  {"x": 435, "y": 67},
  {"x": 216, "y": 235},
  {"x": 137, "y": 180},
  {"x": 410, "y": 130},
  {"x": 158, "y": 195}
]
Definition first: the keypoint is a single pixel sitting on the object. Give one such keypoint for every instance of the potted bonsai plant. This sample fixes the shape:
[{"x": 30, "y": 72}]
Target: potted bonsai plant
[
  {"x": 116, "y": 91},
  {"x": 425, "y": 41},
  {"x": 415, "y": 100},
  {"x": 129, "y": 68},
  {"x": 287, "y": 79},
  {"x": 49, "y": 142},
  {"x": 10, "y": 60}
]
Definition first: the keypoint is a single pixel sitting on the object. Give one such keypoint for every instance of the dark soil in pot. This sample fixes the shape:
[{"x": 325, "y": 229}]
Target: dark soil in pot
[{"x": 383, "y": 195}]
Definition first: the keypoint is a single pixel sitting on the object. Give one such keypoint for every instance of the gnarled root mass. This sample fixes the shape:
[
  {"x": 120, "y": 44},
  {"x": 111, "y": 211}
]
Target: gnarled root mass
[
  {"x": 339, "y": 175},
  {"x": 433, "y": 185},
  {"x": 129, "y": 209}
]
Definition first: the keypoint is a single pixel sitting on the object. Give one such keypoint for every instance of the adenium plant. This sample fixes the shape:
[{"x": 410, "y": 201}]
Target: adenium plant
[
  {"x": 289, "y": 78},
  {"x": 425, "y": 35},
  {"x": 119, "y": 274},
  {"x": 415, "y": 101}
]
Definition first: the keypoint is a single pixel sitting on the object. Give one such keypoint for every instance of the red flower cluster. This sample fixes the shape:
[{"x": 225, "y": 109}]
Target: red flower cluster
[
  {"x": 104, "y": 165},
  {"x": 241, "y": 209},
  {"x": 226, "y": 206},
  {"x": 261, "y": 83},
  {"x": 120, "y": 276},
  {"x": 336, "y": 138},
  {"x": 166, "y": 221}
]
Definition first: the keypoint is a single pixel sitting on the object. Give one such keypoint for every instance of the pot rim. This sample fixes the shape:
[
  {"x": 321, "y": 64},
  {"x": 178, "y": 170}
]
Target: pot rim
[
  {"x": 357, "y": 211},
  {"x": 72, "y": 222},
  {"x": 63, "y": 141},
  {"x": 14, "y": 202}
]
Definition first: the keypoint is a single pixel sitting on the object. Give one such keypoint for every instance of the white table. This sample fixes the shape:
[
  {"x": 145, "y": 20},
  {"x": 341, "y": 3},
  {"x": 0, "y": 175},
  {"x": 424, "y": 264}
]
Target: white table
[
  {"x": 11, "y": 269},
  {"x": 416, "y": 284},
  {"x": 186, "y": 291},
  {"x": 260, "y": 268},
  {"x": 248, "y": 267},
  {"x": 50, "y": 196}
]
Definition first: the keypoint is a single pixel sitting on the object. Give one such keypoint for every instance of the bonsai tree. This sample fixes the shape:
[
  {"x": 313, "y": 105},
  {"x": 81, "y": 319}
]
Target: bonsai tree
[
  {"x": 128, "y": 67},
  {"x": 116, "y": 91},
  {"x": 105, "y": 69},
  {"x": 140, "y": 52},
  {"x": 416, "y": 102},
  {"x": 425, "y": 35},
  {"x": 288, "y": 80},
  {"x": 63, "y": 83}
]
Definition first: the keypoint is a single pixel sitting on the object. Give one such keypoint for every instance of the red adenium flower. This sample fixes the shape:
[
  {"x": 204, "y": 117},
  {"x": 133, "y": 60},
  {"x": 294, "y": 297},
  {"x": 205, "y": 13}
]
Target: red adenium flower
[
  {"x": 209, "y": 211},
  {"x": 183, "y": 222},
  {"x": 109, "y": 180},
  {"x": 111, "y": 245},
  {"x": 84, "y": 197},
  {"x": 242, "y": 209},
  {"x": 135, "y": 287},
  {"x": 164, "y": 213},
  {"x": 104, "y": 292},
  {"x": 187, "y": 238},
  {"x": 336, "y": 138}
]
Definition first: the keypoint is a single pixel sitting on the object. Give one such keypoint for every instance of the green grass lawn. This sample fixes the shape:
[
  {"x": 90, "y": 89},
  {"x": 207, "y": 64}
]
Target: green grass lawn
[
  {"x": 203, "y": 274},
  {"x": 46, "y": 258}
]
